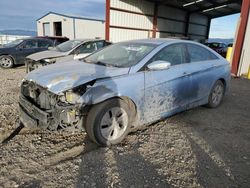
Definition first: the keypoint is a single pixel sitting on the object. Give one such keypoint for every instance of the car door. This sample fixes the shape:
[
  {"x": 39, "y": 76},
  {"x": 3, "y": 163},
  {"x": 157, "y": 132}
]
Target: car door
[
  {"x": 167, "y": 91},
  {"x": 85, "y": 50},
  {"x": 203, "y": 65},
  {"x": 24, "y": 49}
]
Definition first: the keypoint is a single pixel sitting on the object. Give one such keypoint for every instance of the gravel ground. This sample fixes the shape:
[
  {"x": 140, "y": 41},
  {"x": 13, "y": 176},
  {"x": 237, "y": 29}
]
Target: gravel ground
[{"x": 197, "y": 148}]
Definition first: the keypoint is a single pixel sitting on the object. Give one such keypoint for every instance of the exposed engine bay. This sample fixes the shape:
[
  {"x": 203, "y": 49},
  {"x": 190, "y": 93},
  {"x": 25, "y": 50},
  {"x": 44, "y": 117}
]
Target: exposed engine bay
[{"x": 48, "y": 110}]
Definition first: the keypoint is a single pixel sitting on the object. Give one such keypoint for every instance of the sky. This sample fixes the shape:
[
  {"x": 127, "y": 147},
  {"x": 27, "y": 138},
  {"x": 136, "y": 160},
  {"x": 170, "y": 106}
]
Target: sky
[
  {"x": 22, "y": 14},
  {"x": 224, "y": 27}
]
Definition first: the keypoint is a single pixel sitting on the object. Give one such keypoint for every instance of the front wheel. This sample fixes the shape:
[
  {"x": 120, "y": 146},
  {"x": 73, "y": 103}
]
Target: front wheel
[
  {"x": 216, "y": 94},
  {"x": 108, "y": 122},
  {"x": 6, "y": 62}
]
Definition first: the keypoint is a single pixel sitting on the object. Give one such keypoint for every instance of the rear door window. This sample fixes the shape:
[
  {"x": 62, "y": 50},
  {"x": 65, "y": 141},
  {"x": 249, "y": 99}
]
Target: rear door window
[
  {"x": 199, "y": 53},
  {"x": 45, "y": 43},
  {"x": 99, "y": 44}
]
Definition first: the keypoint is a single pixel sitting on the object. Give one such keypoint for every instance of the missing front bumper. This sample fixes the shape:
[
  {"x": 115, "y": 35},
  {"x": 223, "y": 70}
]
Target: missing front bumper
[
  {"x": 64, "y": 117},
  {"x": 30, "y": 115}
]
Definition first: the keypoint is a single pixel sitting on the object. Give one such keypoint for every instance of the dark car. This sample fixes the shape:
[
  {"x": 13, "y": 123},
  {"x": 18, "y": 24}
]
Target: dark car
[
  {"x": 14, "y": 53},
  {"x": 57, "y": 40},
  {"x": 219, "y": 47}
]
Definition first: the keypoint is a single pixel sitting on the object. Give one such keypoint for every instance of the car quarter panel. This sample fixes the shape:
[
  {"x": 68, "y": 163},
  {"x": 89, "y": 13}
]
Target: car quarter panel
[{"x": 203, "y": 76}]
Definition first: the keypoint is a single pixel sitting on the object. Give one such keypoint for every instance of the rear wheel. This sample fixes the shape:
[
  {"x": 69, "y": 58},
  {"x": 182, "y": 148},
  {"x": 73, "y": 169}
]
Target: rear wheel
[
  {"x": 6, "y": 62},
  {"x": 216, "y": 94},
  {"x": 108, "y": 123}
]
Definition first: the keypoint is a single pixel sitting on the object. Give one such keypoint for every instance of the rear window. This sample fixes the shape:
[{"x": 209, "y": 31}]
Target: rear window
[{"x": 199, "y": 53}]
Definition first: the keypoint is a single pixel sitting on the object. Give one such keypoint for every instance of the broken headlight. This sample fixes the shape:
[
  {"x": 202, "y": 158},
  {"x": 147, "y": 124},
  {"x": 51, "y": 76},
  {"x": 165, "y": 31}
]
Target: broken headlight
[
  {"x": 52, "y": 60},
  {"x": 70, "y": 97}
]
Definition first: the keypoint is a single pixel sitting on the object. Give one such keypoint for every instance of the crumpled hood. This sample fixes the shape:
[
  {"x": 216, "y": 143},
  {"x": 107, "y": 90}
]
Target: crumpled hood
[
  {"x": 46, "y": 54},
  {"x": 60, "y": 77}
]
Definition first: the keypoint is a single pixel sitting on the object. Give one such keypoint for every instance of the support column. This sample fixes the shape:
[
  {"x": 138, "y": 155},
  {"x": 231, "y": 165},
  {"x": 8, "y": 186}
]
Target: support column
[
  {"x": 208, "y": 27},
  {"x": 245, "y": 7},
  {"x": 107, "y": 21},
  {"x": 155, "y": 20}
]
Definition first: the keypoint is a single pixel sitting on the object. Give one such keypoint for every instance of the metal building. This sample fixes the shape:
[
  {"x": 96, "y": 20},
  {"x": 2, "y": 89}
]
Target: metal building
[
  {"x": 135, "y": 19},
  {"x": 55, "y": 24},
  {"x": 130, "y": 19}
]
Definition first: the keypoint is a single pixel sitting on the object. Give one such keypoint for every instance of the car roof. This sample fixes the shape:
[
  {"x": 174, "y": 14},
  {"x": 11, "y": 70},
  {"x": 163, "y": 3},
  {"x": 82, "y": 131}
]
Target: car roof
[
  {"x": 52, "y": 37},
  {"x": 158, "y": 41},
  {"x": 86, "y": 40},
  {"x": 45, "y": 38}
]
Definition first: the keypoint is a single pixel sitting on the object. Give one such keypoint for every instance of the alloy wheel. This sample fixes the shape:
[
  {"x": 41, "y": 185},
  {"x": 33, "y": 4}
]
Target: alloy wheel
[{"x": 114, "y": 123}]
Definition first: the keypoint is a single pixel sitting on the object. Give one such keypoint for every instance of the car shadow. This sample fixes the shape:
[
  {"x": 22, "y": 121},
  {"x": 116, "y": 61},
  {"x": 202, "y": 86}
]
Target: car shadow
[{"x": 220, "y": 139}]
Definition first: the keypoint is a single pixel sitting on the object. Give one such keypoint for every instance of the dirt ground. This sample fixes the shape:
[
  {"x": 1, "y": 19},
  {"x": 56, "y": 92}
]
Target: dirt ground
[{"x": 197, "y": 148}]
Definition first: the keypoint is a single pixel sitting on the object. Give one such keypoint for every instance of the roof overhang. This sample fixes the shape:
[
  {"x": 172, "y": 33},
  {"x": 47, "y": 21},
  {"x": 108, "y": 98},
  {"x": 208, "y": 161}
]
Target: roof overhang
[{"x": 210, "y": 8}]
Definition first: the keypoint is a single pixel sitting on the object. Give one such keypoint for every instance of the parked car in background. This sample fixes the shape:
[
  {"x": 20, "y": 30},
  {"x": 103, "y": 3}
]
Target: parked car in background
[
  {"x": 122, "y": 87},
  {"x": 220, "y": 48},
  {"x": 14, "y": 53},
  {"x": 57, "y": 40},
  {"x": 72, "y": 49}
]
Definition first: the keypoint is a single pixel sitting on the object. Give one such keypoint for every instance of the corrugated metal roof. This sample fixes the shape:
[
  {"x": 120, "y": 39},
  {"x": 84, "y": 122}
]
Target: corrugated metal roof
[
  {"x": 210, "y": 8},
  {"x": 72, "y": 16}
]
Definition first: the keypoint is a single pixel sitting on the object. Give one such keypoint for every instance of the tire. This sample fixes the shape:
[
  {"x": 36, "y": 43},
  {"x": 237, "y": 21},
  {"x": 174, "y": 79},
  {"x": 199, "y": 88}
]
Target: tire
[
  {"x": 6, "y": 61},
  {"x": 216, "y": 94},
  {"x": 108, "y": 123}
]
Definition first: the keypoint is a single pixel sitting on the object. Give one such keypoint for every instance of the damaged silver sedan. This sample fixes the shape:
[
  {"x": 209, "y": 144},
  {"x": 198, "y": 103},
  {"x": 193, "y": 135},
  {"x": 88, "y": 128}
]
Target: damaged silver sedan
[
  {"x": 123, "y": 87},
  {"x": 72, "y": 49}
]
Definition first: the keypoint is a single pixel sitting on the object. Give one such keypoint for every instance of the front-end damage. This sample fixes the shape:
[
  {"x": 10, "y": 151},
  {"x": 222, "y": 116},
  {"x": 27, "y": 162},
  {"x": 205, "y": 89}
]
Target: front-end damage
[
  {"x": 58, "y": 96},
  {"x": 43, "y": 109}
]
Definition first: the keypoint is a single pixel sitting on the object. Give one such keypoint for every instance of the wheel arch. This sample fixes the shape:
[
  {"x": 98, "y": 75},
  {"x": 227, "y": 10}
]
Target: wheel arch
[
  {"x": 130, "y": 102},
  {"x": 224, "y": 83}
]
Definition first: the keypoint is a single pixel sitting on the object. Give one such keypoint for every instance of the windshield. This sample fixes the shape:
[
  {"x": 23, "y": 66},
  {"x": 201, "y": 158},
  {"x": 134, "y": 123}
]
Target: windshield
[
  {"x": 69, "y": 45},
  {"x": 121, "y": 54},
  {"x": 13, "y": 43}
]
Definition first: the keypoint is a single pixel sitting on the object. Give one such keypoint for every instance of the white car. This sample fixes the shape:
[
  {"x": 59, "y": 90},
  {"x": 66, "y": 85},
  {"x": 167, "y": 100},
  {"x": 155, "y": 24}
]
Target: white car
[{"x": 70, "y": 50}]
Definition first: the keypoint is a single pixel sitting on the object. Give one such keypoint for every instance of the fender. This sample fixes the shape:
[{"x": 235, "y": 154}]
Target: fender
[{"x": 97, "y": 94}]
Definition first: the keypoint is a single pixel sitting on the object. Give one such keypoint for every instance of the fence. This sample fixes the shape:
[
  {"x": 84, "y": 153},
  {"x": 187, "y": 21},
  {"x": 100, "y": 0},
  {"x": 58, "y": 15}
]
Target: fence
[{"x": 4, "y": 39}]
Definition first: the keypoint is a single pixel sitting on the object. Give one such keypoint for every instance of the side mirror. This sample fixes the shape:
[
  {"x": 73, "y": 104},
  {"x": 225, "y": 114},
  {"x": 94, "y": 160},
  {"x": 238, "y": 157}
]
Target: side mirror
[{"x": 159, "y": 65}]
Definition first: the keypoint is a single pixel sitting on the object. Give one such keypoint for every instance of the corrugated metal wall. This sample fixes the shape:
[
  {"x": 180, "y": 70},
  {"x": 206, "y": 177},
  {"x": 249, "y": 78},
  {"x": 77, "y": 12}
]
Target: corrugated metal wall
[
  {"x": 134, "y": 19},
  {"x": 198, "y": 26},
  {"x": 125, "y": 25},
  {"x": 134, "y": 5},
  {"x": 125, "y": 19},
  {"x": 170, "y": 22}
]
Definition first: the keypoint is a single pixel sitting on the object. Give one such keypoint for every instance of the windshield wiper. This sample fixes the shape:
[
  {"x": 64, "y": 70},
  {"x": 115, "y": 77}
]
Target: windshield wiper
[
  {"x": 100, "y": 63},
  {"x": 106, "y": 64}
]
